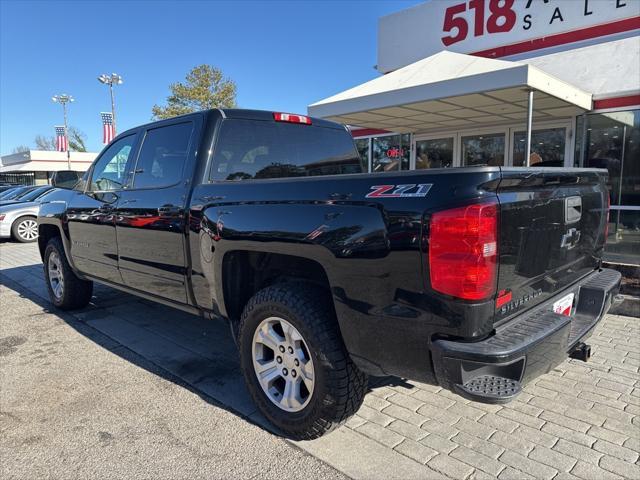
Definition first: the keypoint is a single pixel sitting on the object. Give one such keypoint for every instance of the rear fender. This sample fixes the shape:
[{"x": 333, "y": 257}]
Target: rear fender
[{"x": 332, "y": 235}]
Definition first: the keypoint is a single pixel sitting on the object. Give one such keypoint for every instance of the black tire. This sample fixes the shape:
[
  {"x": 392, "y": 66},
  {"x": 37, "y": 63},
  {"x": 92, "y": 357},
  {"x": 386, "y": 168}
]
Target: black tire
[
  {"x": 19, "y": 230},
  {"x": 75, "y": 293},
  {"x": 339, "y": 386}
]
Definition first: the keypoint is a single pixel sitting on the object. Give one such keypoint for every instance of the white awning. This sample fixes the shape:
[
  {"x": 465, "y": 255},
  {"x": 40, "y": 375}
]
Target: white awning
[
  {"x": 453, "y": 90},
  {"x": 44, "y": 167},
  {"x": 45, "y": 161}
]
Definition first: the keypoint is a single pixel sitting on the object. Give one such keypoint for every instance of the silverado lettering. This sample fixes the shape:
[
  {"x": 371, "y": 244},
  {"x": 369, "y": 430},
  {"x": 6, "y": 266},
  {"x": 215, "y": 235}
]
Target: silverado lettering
[{"x": 519, "y": 302}]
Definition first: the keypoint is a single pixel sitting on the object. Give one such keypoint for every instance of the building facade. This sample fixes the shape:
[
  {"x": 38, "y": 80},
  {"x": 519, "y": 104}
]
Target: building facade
[
  {"x": 36, "y": 167},
  {"x": 460, "y": 77}
]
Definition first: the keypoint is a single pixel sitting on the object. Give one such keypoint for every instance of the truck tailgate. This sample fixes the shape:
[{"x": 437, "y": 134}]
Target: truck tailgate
[{"x": 552, "y": 233}]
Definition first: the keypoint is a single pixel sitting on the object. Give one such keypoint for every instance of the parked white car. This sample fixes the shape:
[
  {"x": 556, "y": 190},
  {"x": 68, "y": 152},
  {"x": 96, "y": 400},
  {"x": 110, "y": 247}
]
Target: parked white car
[{"x": 19, "y": 220}]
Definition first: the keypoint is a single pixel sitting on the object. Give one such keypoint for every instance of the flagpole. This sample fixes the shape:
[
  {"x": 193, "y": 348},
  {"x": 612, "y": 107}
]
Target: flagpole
[
  {"x": 113, "y": 108},
  {"x": 110, "y": 80},
  {"x": 66, "y": 135},
  {"x": 63, "y": 100}
]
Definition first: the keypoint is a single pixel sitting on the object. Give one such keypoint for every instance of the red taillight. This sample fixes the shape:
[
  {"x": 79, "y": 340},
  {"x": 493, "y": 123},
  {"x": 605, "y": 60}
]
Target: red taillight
[
  {"x": 463, "y": 251},
  {"x": 291, "y": 118},
  {"x": 606, "y": 225}
]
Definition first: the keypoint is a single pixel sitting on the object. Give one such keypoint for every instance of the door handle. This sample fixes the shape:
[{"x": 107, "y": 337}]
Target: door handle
[
  {"x": 169, "y": 210},
  {"x": 210, "y": 198}
]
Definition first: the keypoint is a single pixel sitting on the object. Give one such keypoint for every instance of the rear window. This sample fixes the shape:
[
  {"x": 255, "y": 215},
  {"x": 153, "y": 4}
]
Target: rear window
[
  {"x": 250, "y": 149},
  {"x": 34, "y": 194},
  {"x": 8, "y": 193},
  {"x": 18, "y": 194}
]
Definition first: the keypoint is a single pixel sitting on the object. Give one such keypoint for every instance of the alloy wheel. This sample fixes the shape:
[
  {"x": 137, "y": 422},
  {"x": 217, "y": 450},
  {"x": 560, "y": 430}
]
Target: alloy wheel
[
  {"x": 56, "y": 279},
  {"x": 282, "y": 364},
  {"x": 28, "y": 229}
]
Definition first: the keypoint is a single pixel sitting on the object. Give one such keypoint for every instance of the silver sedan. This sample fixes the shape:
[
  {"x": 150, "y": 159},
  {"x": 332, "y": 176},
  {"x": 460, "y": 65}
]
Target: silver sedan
[{"x": 18, "y": 220}]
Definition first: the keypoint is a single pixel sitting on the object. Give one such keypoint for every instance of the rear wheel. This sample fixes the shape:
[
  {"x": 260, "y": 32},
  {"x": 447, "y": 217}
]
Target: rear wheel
[
  {"x": 25, "y": 229},
  {"x": 66, "y": 290},
  {"x": 295, "y": 363}
]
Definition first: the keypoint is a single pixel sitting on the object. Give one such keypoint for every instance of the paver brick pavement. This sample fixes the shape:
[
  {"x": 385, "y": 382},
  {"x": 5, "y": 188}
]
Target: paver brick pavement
[{"x": 579, "y": 421}]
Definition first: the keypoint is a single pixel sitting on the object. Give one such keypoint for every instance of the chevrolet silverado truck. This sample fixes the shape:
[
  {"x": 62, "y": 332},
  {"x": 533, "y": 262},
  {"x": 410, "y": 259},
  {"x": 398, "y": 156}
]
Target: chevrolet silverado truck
[{"x": 476, "y": 279}]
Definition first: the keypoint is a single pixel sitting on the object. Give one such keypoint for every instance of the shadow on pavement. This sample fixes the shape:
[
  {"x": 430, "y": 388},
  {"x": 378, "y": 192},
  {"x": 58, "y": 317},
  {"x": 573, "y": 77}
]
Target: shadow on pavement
[
  {"x": 196, "y": 353},
  {"x": 192, "y": 352}
]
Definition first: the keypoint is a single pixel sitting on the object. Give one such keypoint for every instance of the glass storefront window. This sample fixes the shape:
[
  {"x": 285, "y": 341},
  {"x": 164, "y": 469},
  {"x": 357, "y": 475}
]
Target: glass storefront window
[
  {"x": 391, "y": 153},
  {"x": 547, "y": 147},
  {"x": 623, "y": 243},
  {"x": 480, "y": 150},
  {"x": 434, "y": 153},
  {"x": 612, "y": 141},
  {"x": 362, "y": 144}
]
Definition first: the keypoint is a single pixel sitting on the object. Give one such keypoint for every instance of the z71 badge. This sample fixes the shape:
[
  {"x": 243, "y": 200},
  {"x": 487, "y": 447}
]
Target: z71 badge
[{"x": 400, "y": 191}]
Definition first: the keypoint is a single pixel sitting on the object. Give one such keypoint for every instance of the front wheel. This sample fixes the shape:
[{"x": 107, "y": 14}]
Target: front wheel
[
  {"x": 294, "y": 361},
  {"x": 25, "y": 229},
  {"x": 66, "y": 290}
]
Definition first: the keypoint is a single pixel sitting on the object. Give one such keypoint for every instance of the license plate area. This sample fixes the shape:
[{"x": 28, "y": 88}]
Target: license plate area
[{"x": 564, "y": 305}]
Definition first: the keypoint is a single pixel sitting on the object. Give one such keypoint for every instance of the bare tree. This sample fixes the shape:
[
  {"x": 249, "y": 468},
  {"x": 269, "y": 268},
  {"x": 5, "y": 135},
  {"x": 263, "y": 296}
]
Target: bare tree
[
  {"x": 77, "y": 141},
  {"x": 21, "y": 149},
  {"x": 45, "y": 143}
]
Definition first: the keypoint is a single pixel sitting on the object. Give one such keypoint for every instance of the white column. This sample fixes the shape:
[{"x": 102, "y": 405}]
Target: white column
[{"x": 529, "y": 125}]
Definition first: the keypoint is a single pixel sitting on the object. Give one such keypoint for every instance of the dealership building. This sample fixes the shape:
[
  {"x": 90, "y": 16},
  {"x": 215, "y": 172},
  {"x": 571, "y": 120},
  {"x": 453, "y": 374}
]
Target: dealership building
[
  {"x": 36, "y": 167},
  {"x": 483, "y": 82}
]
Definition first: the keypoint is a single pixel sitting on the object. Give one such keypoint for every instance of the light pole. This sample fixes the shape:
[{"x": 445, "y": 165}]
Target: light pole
[
  {"x": 63, "y": 100},
  {"x": 110, "y": 80}
]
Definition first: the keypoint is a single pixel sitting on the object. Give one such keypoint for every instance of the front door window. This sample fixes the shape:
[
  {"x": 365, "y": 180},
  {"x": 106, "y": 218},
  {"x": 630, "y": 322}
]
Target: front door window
[
  {"x": 434, "y": 153},
  {"x": 109, "y": 170},
  {"x": 547, "y": 147},
  {"x": 483, "y": 150}
]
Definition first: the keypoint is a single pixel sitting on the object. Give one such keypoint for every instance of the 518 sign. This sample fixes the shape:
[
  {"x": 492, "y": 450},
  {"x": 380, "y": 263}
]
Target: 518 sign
[{"x": 501, "y": 18}]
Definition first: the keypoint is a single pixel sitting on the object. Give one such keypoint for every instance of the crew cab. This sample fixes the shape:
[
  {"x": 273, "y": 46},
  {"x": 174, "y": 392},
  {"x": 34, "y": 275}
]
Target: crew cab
[{"x": 477, "y": 279}]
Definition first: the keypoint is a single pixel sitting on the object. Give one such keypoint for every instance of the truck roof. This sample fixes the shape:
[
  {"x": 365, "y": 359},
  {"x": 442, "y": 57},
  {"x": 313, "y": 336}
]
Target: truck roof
[
  {"x": 240, "y": 113},
  {"x": 267, "y": 115}
]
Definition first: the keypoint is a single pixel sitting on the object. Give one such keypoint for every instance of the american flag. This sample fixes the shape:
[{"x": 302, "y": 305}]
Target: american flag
[
  {"x": 61, "y": 140},
  {"x": 108, "y": 131}
]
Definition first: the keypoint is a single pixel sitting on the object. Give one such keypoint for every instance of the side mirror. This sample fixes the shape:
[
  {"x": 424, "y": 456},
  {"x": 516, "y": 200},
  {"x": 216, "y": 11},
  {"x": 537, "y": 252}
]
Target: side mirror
[
  {"x": 66, "y": 179},
  {"x": 105, "y": 197}
]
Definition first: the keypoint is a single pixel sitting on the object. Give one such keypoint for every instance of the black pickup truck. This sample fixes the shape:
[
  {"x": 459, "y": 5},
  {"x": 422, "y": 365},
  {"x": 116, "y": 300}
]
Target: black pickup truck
[{"x": 477, "y": 279}]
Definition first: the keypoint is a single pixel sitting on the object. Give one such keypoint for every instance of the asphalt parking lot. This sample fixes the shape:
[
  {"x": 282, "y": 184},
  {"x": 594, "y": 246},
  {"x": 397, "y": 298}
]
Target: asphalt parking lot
[{"x": 131, "y": 389}]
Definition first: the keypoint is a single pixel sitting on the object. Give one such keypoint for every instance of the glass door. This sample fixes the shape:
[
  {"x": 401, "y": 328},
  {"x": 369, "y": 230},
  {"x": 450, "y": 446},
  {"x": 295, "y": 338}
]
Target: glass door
[
  {"x": 390, "y": 153},
  {"x": 434, "y": 152},
  {"x": 548, "y": 147},
  {"x": 486, "y": 149}
]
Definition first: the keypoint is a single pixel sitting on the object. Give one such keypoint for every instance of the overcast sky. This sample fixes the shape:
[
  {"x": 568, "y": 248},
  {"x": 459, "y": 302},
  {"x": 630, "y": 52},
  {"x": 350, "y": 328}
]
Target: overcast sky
[{"x": 282, "y": 55}]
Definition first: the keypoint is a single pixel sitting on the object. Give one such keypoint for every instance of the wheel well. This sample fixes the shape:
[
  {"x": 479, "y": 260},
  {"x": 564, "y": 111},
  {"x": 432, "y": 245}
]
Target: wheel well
[
  {"x": 245, "y": 273},
  {"x": 24, "y": 216},
  {"x": 46, "y": 233}
]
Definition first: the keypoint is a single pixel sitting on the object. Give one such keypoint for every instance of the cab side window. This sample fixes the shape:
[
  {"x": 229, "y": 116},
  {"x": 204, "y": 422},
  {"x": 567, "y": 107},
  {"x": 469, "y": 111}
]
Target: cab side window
[
  {"x": 162, "y": 156},
  {"x": 109, "y": 172}
]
